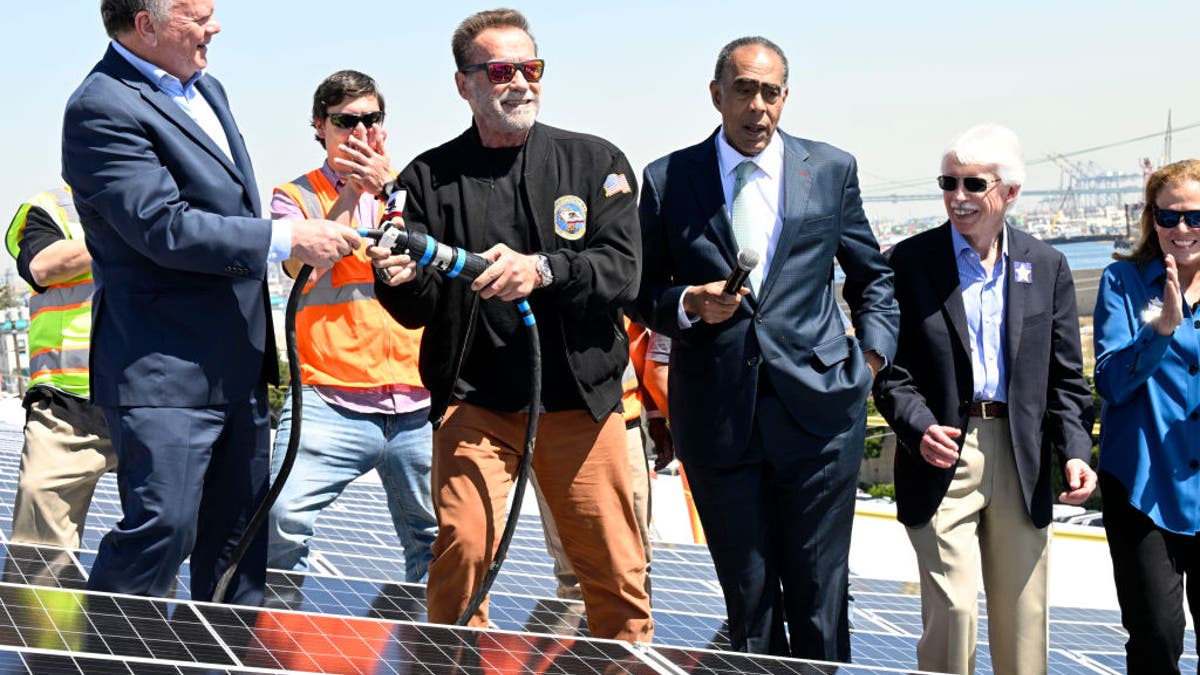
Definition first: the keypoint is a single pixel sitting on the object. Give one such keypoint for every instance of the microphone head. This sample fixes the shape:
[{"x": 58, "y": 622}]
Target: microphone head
[{"x": 747, "y": 259}]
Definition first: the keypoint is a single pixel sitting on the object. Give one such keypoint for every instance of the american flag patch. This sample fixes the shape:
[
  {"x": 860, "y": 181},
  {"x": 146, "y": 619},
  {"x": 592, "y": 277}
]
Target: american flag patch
[{"x": 616, "y": 183}]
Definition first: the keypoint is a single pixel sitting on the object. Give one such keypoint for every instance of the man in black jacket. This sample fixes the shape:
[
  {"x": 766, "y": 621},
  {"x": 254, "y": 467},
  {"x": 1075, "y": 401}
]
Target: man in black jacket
[
  {"x": 555, "y": 213},
  {"x": 987, "y": 380}
]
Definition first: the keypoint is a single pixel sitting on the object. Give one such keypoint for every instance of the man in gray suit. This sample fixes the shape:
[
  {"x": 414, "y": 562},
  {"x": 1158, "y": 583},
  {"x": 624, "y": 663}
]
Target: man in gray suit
[{"x": 768, "y": 392}]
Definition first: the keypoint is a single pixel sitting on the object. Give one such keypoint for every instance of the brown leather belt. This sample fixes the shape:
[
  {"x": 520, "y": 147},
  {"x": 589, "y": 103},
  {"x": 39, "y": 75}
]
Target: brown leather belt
[{"x": 988, "y": 410}]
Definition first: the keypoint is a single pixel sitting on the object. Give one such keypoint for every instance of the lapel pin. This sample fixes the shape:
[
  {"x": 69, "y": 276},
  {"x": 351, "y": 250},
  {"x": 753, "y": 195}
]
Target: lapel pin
[{"x": 1023, "y": 272}]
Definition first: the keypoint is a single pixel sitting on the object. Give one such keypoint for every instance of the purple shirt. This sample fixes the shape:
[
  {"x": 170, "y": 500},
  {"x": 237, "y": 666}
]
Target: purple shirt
[{"x": 389, "y": 398}]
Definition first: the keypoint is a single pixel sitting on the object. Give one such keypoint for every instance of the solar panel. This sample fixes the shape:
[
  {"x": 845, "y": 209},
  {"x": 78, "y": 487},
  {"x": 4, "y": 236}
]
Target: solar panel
[{"x": 353, "y": 611}]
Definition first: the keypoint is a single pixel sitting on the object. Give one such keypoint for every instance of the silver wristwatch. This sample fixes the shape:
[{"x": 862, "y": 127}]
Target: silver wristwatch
[{"x": 543, "y": 270}]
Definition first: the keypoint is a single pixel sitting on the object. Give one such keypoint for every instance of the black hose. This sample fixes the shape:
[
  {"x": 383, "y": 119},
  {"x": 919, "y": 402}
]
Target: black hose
[
  {"x": 518, "y": 493},
  {"x": 264, "y": 509}
]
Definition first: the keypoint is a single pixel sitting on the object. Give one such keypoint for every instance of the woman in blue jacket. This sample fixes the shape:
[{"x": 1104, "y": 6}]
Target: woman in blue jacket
[{"x": 1147, "y": 332}]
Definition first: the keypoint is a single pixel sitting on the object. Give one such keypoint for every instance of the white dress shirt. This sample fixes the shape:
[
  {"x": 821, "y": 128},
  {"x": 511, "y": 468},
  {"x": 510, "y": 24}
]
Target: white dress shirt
[{"x": 765, "y": 186}]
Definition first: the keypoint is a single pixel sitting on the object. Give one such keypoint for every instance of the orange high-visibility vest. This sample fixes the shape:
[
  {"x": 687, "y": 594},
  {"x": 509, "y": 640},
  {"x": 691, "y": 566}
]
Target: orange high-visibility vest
[
  {"x": 349, "y": 340},
  {"x": 631, "y": 379}
]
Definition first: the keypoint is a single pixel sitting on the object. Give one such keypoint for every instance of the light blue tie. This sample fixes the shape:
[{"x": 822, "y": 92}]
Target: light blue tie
[{"x": 741, "y": 216}]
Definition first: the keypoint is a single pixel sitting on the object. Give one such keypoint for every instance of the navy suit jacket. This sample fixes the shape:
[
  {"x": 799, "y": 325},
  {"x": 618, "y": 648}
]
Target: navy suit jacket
[
  {"x": 181, "y": 313},
  {"x": 931, "y": 382},
  {"x": 793, "y": 330}
]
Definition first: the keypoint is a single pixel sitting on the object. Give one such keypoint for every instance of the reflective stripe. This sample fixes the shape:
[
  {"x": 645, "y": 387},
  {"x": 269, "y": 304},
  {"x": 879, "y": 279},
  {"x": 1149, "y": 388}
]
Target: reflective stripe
[
  {"x": 61, "y": 296},
  {"x": 303, "y": 188},
  {"x": 55, "y": 360},
  {"x": 59, "y": 205},
  {"x": 326, "y": 295}
]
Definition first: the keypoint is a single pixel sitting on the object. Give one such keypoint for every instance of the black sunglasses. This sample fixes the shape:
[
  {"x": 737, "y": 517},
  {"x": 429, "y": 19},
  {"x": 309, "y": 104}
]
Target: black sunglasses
[
  {"x": 502, "y": 72},
  {"x": 351, "y": 120},
  {"x": 1170, "y": 219},
  {"x": 970, "y": 183}
]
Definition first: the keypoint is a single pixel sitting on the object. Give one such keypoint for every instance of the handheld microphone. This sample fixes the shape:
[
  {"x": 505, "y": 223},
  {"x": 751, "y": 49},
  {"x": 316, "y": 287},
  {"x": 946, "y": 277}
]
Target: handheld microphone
[
  {"x": 747, "y": 260},
  {"x": 423, "y": 249}
]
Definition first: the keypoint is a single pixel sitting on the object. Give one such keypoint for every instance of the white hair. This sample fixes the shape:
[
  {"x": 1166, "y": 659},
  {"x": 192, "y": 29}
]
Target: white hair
[{"x": 990, "y": 145}]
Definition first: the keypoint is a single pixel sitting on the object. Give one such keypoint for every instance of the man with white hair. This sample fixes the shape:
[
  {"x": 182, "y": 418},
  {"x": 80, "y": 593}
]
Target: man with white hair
[{"x": 987, "y": 379}]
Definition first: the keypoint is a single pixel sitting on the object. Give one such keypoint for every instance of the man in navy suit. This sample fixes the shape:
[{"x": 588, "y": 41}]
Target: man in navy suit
[
  {"x": 987, "y": 381},
  {"x": 182, "y": 344},
  {"x": 767, "y": 390}
]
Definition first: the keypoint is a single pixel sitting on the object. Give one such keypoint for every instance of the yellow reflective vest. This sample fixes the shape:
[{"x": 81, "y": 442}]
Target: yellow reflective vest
[{"x": 60, "y": 318}]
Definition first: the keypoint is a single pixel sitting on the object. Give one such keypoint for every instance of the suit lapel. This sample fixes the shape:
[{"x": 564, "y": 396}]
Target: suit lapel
[
  {"x": 944, "y": 276},
  {"x": 173, "y": 112},
  {"x": 1015, "y": 296},
  {"x": 121, "y": 69},
  {"x": 797, "y": 183},
  {"x": 242, "y": 169},
  {"x": 710, "y": 195}
]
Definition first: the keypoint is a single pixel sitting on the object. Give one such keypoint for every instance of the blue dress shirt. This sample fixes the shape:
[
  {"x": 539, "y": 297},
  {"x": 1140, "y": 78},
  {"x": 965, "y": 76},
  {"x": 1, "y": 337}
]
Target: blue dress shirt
[
  {"x": 191, "y": 101},
  {"x": 1150, "y": 422},
  {"x": 983, "y": 301}
]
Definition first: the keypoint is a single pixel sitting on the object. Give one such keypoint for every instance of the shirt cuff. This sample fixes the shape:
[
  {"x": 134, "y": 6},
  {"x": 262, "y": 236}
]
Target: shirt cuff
[
  {"x": 281, "y": 241},
  {"x": 684, "y": 319}
]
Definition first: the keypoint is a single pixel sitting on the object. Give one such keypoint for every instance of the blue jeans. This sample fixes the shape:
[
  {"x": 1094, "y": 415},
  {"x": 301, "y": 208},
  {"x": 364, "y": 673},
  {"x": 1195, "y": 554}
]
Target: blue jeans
[{"x": 336, "y": 447}]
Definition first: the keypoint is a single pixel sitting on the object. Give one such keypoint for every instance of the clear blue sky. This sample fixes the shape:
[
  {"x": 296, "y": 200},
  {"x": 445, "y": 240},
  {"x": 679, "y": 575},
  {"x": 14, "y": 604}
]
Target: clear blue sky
[{"x": 888, "y": 81}]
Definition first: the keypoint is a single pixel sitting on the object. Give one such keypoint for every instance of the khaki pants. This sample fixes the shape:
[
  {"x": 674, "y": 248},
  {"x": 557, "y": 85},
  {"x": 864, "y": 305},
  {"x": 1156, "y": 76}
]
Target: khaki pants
[
  {"x": 568, "y": 583},
  {"x": 583, "y": 470},
  {"x": 60, "y": 466},
  {"x": 983, "y": 519}
]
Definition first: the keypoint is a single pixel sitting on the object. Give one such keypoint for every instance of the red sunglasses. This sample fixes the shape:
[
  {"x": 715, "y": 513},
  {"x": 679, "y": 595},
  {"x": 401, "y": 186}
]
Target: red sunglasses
[{"x": 502, "y": 72}]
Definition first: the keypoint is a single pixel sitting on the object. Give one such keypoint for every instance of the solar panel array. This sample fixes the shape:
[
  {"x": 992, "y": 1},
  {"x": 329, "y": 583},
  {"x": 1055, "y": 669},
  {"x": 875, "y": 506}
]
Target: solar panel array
[{"x": 352, "y": 614}]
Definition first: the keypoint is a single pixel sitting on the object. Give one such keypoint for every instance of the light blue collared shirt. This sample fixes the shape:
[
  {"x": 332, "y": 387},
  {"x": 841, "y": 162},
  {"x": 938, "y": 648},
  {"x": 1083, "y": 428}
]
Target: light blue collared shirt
[
  {"x": 983, "y": 300},
  {"x": 192, "y": 102}
]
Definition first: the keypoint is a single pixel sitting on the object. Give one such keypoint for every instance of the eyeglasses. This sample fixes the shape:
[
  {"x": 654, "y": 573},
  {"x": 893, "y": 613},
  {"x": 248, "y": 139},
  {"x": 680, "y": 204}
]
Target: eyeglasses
[
  {"x": 351, "y": 120},
  {"x": 746, "y": 87},
  {"x": 1170, "y": 219},
  {"x": 970, "y": 183},
  {"x": 502, "y": 72}
]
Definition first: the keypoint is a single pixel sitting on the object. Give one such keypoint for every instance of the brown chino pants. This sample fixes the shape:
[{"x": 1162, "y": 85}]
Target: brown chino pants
[{"x": 583, "y": 470}]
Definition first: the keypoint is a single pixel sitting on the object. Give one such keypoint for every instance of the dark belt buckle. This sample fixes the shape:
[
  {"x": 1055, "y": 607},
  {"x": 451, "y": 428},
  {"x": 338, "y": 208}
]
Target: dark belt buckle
[{"x": 997, "y": 410}]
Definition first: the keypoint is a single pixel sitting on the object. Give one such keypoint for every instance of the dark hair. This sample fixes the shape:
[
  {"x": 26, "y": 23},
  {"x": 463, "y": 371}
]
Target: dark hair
[
  {"x": 727, "y": 52},
  {"x": 118, "y": 15},
  {"x": 1147, "y": 247},
  {"x": 340, "y": 86},
  {"x": 478, "y": 22}
]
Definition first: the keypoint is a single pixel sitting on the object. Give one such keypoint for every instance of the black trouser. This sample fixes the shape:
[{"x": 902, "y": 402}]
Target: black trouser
[{"x": 1149, "y": 566}]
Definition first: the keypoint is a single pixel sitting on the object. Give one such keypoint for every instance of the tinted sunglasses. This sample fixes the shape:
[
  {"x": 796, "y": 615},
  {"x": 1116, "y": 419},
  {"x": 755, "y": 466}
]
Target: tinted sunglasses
[
  {"x": 502, "y": 72},
  {"x": 351, "y": 120},
  {"x": 1170, "y": 219},
  {"x": 970, "y": 183}
]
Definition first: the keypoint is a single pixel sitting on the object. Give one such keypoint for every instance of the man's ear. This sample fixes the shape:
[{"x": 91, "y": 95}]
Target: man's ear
[
  {"x": 144, "y": 28},
  {"x": 1013, "y": 191}
]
